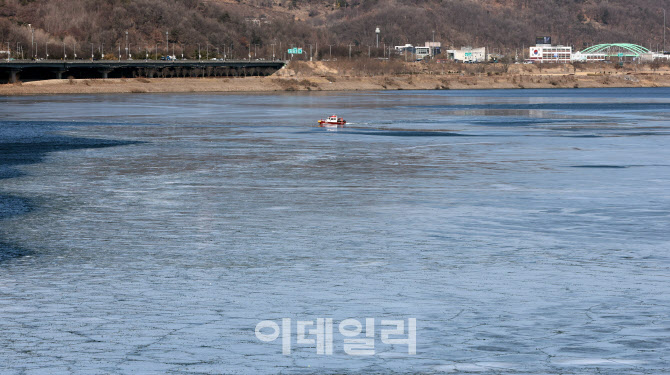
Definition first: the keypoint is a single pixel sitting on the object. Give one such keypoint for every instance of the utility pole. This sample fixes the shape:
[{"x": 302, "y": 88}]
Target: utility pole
[
  {"x": 663, "y": 30},
  {"x": 310, "y": 52},
  {"x": 330, "y": 52},
  {"x": 349, "y": 51},
  {"x": 273, "y": 52},
  {"x": 167, "y": 43},
  {"x": 126, "y": 44}
]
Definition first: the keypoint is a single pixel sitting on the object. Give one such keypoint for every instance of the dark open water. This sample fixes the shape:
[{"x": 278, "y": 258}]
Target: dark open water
[{"x": 526, "y": 231}]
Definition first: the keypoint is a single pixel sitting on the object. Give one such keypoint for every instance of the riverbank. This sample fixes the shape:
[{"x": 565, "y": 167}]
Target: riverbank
[{"x": 321, "y": 77}]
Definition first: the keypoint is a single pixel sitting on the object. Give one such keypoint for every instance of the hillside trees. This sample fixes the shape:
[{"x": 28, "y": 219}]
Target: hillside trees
[{"x": 101, "y": 25}]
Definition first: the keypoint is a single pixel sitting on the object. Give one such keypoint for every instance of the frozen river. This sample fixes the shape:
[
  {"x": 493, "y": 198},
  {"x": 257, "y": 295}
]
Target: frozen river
[{"x": 526, "y": 231}]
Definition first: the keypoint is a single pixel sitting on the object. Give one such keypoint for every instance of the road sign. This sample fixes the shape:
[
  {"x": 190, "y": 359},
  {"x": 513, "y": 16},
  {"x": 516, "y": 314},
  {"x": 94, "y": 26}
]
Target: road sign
[
  {"x": 468, "y": 54},
  {"x": 295, "y": 51},
  {"x": 620, "y": 54}
]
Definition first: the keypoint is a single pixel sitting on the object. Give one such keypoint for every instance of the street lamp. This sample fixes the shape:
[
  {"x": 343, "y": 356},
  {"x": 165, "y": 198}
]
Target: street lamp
[
  {"x": 377, "y": 31},
  {"x": 32, "y": 40},
  {"x": 126, "y": 44},
  {"x": 167, "y": 43}
]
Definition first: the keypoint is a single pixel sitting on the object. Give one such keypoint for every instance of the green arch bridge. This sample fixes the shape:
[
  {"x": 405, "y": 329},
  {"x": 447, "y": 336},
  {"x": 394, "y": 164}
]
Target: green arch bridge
[{"x": 614, "y": 49}]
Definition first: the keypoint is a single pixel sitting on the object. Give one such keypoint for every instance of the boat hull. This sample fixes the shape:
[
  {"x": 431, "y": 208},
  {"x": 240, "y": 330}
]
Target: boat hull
[{"x": 331, "y": 123}]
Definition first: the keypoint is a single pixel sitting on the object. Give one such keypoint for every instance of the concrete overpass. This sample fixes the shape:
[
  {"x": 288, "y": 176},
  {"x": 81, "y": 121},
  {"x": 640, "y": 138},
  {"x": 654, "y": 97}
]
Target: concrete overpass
[{"x": 26, "y": 70}]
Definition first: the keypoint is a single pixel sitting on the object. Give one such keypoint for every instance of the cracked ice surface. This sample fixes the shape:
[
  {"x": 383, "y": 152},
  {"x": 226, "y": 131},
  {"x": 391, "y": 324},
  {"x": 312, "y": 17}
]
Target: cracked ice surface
[{"x": 526, "y": 231}]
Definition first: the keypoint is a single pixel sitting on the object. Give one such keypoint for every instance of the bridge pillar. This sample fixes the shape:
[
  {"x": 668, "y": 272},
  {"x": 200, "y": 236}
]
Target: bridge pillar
[
  {"x": 13, "y": 75},
  {"x": 105, "y": 73},
  {"x": 59, "y": 74}
]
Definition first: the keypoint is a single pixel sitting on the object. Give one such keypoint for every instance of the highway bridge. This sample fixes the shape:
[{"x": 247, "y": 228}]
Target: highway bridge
[{"x": 27, "y": 70}]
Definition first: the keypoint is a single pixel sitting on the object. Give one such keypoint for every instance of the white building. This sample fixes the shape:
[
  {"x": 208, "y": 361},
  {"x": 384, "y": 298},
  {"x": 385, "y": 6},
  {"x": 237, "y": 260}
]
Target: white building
[
  {"x": 406, "y": 48},
  {"x": 429, "y": 50},
  {"x": 422, "y": 52},
  {"x": 588, "y": 57},
  {"x": 467, "y": 54},
  {"x": 651, "y": 56},
  {"x": 542, "y": 53}
]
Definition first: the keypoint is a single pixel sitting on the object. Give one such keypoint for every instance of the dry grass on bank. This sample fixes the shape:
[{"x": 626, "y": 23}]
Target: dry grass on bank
[{"x": 371, "y": 75}]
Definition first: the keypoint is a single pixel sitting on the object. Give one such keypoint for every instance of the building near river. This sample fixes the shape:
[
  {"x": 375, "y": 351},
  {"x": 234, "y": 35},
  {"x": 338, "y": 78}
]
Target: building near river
[
  {"x": 542, "y": 53},
  {"x": 588, "y": 57},
  {"x": 545, "y": 52},
  {"x": 467, "y": 54},
  {"x": 429, "y": 50},
  {"x": 406, "y": 48}
]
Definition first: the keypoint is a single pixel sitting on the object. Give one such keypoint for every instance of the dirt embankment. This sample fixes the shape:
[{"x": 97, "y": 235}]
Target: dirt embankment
[{"x": 319, "y": 76}]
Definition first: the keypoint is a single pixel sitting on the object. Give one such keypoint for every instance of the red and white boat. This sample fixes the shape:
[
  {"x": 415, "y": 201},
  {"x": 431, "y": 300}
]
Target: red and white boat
[{"x": 332, "y": 121}]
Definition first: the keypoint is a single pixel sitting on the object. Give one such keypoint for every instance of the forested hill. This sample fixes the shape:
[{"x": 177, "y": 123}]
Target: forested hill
[{"x": 504, "y": 24}]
